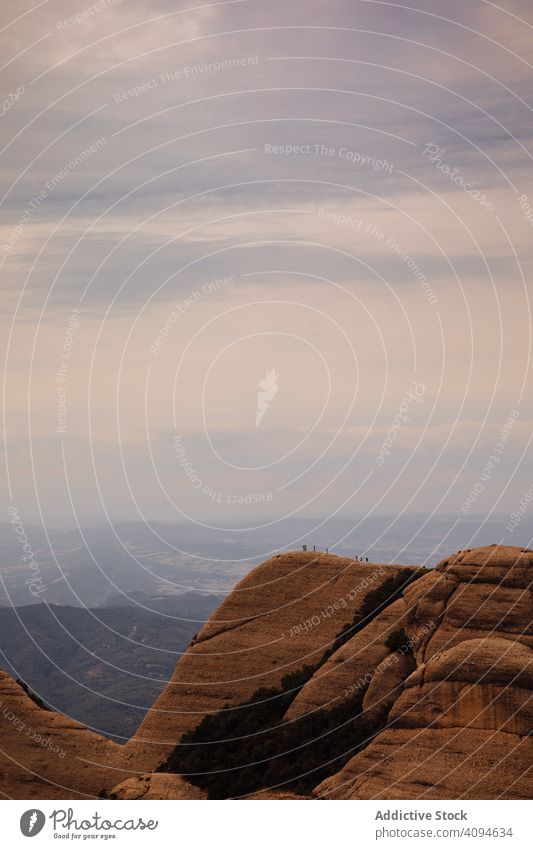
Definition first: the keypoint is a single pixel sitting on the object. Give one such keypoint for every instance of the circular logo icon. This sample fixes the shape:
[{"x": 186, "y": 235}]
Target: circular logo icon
[{"x": 32, "y": 822}]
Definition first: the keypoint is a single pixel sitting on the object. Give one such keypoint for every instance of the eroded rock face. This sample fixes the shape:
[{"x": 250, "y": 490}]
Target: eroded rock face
[
  {"x": 436, "y": 764},
  {"x": 480, "y": 592},
  {"x": 459, "y": 729},
  {"x": 460, "y": 725},
  {"x": 45, "y": 755},
  {"x": 353, "y": 666},
  {"x": 458, "y": 693},
  {"x": 485, "y": 591},
  {"x": 283, "y": 615},
  {"x": 388, "y": 681},
  {"x": 280, "y": 617},
  {"x": 156, "y": 786},
  {"x": 485, "y": 684},
  {"x": 269, "y": 795}
]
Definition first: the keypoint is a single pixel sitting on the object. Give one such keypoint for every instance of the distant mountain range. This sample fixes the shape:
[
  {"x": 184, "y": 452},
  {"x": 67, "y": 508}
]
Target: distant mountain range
[
  {"x": 103, "y": 667},
  {"x": 92, "y": 566}
]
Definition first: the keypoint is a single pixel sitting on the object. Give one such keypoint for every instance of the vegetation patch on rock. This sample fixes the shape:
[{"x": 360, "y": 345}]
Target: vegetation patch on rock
[{"x": 239, "y": 750}]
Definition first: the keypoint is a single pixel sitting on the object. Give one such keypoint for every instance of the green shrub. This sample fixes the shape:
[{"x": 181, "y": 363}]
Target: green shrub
[
  {"x": 242, "y": 749},
  {"x": 373, "y": 603},
  {"x": 397, "y": 640},
  {"x": 239, "y": 751}
]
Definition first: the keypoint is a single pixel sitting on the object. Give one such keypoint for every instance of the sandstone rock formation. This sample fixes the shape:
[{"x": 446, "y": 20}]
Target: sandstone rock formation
[
  {"x": 168, "y": 786},
  {"x": 459, "y": 730},
  {"x": 356, "y": 660},
  {"x": 460, "y": 727},
  {"x": 280, "y": 617},
  {"x": 45, "y": 755},
  {"x": 443, "y": 673},
  {"x": 485, "y": 591},
  {"x": 386, "y": 686},
  {"x": 156, "y": 786},
  {"x": 268, "y": 795}
]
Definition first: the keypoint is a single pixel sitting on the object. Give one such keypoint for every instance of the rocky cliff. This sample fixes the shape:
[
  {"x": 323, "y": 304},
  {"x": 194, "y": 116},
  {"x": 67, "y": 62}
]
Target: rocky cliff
[
  {"x": 460, "y": 727},
  {"x": 45, "y": 755},
  {"x": 282, "y": 616},
  {"x": 329, "y": 678}
]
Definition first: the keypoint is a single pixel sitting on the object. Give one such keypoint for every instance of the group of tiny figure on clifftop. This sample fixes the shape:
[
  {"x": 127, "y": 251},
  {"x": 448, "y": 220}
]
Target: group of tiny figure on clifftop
[{"x": 359, "y": 559}]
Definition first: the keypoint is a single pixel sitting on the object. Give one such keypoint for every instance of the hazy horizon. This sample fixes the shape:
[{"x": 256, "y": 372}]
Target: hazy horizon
[{"x": 266, "y": 261}]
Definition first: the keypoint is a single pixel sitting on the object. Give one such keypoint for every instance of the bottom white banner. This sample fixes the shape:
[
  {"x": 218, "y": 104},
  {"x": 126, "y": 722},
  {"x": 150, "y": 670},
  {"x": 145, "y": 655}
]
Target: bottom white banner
[{"x": 236, "y": 824}]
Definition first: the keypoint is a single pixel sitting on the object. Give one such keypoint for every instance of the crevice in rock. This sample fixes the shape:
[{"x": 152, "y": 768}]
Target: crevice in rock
[{"x": 197, "y": 641}]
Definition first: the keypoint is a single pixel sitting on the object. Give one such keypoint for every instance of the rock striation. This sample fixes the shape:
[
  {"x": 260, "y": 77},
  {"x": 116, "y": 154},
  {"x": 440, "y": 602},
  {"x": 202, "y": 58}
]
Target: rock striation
[
  {"x": 45, "y": 755},
  {"x": 156, "y": 786},
  {"x": 461, "y": 726},
  {"x": 279, "y": 618},
  {"x": 459, "y": 730},
  {"x": 441, "y": 672}
]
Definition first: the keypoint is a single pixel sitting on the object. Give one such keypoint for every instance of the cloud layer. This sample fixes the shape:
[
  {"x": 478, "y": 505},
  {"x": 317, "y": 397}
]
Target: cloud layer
[{"x": 194, "y": 197}]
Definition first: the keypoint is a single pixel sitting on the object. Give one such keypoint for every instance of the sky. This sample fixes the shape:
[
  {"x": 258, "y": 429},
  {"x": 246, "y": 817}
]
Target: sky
[{"x": 264, "y": 260}]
